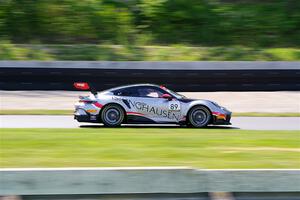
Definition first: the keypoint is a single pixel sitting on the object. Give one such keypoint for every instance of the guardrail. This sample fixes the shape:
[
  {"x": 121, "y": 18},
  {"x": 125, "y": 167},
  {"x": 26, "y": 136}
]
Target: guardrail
[
  {"x": 145, "y": 182},
  {"x": 180, "y": 76}
]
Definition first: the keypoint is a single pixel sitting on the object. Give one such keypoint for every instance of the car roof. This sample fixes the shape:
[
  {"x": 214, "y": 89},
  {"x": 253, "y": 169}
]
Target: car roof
[{"x": 132, "y": 85}]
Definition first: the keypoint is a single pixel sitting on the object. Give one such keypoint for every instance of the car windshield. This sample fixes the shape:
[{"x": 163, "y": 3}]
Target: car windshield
[{"x": 178, "y": 96}]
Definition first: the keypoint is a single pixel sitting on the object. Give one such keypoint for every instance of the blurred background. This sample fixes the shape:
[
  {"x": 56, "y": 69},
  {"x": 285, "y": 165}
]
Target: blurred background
[
  {"x": 124, "y": 30},
  {"x": 37, "y": 129}
]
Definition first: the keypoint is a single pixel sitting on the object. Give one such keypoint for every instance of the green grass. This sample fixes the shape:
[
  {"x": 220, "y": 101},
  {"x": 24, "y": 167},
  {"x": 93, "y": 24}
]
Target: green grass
[
  {"x": 70, "y": 112},
  {"x": 145, "y": 53},
  {"x": 114, "y": 147}
]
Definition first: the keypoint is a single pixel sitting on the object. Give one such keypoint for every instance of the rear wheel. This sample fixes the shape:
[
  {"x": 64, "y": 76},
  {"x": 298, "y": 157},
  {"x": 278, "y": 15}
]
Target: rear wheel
[
  {"x": 112, "y": 115},
  {"x": 199, "y": 116}
]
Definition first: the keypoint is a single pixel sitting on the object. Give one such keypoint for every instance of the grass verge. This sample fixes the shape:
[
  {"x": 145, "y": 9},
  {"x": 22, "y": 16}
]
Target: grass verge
[
  {"x": 145, "y": 53},
  {"x": 70, "y": 112},
  {"x": 106, "y": 147}
]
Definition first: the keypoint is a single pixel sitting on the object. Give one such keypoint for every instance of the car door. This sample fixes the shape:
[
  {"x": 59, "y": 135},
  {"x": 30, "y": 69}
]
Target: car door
[{"x": 151, "y": 104}]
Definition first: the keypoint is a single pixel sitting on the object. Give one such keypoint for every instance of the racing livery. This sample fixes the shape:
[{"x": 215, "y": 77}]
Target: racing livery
[{"x": 146, "y": 103}]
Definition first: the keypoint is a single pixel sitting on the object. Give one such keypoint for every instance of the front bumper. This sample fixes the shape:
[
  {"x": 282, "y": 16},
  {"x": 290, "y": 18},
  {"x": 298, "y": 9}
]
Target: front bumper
[{"x": 221, "y": 118}]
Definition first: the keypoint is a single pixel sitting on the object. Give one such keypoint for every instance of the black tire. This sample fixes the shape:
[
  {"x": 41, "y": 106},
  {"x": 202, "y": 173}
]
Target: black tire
[
  {"x": 199, "y": 116},
  {"x": 112, "y": 115}
]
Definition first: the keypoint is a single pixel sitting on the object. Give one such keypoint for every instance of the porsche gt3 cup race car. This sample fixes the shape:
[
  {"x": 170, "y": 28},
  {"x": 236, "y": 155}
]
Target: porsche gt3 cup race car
[{"x": 146, "y": 104}]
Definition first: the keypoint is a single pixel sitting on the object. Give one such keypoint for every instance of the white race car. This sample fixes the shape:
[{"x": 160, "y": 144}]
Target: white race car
[{"x": 146, "y": 104}]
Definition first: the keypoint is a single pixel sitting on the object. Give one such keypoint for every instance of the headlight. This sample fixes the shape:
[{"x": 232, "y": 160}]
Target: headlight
[
  {"x": 218, "y": 106},
  {"x": 215, "y": 104}
]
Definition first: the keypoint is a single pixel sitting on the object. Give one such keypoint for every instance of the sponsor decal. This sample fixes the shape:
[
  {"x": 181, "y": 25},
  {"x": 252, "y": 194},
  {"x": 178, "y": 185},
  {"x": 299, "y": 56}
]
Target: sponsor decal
[
  {"x": 93, "y": 117},
  {"x": 151, "y": 110},
  {"x": 174, "y": 105},
  {"x": 117, "y": 98},
  {"x": 81, "y": 86},
  {"x": 126, "y": 103}
]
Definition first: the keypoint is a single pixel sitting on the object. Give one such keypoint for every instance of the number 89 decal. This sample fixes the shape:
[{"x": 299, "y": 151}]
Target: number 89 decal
[{"x": 174, "y": 105}]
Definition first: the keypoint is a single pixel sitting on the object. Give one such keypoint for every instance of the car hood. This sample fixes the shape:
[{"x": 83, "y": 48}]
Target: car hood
[{"x": 188, "y": 100}]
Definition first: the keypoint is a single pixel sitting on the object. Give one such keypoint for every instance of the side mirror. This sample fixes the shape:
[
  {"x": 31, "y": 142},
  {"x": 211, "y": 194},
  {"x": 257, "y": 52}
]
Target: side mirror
[{"x": 167, "y": 96}]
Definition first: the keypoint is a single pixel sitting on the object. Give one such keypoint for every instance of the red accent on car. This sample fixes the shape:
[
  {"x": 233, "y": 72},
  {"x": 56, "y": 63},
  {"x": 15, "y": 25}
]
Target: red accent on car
[
  {"x": 81, "y": 85},
  {"x": 86, "y": 101},
  {"x": 219, "y": 115},
  {"x": 134, "y": 113},
  {"x": 162, "y": 87},
  {"x": 166, "y": 96},
  {"x": 98, "y": 105}
]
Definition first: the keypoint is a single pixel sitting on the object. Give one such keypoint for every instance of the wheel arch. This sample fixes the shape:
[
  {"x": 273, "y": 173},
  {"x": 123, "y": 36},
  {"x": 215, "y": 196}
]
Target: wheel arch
[
  {"x": 112, "y": 103},
  {"x": 189, "y": 110}
]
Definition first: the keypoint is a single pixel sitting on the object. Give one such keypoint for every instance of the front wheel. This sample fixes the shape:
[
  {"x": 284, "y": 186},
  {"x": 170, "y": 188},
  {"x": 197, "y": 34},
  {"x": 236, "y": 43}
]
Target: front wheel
[
  {"x": 112, "y": 115},
  {"x": 199, "y": 116}
]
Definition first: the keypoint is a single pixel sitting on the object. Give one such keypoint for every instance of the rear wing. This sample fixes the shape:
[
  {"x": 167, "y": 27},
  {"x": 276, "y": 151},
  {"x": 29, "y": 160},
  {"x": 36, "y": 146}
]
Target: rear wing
[{"x": 85, "y": 86}]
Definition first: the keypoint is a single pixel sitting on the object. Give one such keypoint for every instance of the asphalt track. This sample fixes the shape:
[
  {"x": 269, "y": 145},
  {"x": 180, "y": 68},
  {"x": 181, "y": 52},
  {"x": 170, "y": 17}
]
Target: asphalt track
[{"x": 50, "y": 121}]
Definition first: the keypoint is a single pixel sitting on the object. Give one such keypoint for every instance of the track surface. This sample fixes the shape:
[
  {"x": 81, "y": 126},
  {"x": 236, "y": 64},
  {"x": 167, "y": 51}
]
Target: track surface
[
  {"x": 270, "y": 102},
  {"x": 45, "y": 121}
]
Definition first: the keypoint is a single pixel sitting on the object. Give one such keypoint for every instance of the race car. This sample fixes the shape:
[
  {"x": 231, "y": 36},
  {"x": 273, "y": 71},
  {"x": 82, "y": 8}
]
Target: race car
[{"x": 146, "y": 104}]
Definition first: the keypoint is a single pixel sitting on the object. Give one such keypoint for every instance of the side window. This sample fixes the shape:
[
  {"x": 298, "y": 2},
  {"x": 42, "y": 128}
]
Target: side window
[
  {"x": 126, "y": 92},
  {"x": 140, "y": 91},
  {"x": 149, "y": 92}
]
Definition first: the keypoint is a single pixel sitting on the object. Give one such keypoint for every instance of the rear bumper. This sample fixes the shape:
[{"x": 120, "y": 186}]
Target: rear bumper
[
  {"x": 83, "y": 116},
  {"x": 86, "y": 118}
]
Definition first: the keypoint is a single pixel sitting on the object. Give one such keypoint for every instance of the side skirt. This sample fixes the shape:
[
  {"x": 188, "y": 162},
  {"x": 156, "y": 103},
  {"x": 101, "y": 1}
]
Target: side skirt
[{"x": 134, "y": 119}]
